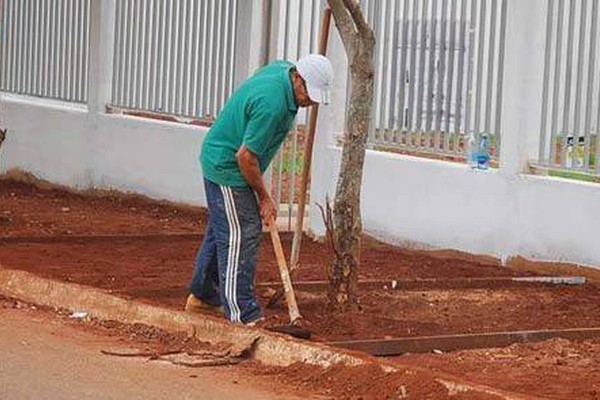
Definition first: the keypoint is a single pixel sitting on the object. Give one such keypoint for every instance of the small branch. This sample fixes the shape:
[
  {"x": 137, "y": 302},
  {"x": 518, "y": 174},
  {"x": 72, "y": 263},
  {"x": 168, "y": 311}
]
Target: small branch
[
  {"x": 206, "y": 363},
  {"x": 150, "y": 354},
  {"x": 329, "y": 228}
]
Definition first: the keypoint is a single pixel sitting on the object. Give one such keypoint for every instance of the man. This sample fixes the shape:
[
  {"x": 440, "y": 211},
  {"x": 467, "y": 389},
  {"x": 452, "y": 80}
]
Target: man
[{"x": 236, "y": 152}]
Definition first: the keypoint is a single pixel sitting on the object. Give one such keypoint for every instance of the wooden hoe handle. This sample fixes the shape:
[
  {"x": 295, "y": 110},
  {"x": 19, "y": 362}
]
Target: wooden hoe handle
[{"x": 290, "y": 297}]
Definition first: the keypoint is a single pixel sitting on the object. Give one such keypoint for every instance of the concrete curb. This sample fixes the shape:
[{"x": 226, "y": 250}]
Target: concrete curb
[{"x": 269, "y": 348}]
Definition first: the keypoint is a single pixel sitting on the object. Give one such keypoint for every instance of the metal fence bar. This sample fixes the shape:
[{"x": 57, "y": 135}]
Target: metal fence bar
[
  {"x": 8, "y": 84},
  {"x": 232, "y": 53},
  {"x": 412, "y": 70},
  {"x": 500, "y": 74},
  {"x": 557, "y": 76},
  {"x": 127, "y": 77},
  {"x": 27, "y": 48},
  {"x": 598, "y": 137},
  {"x": 8, "y": 66},
  {"x": 82, "y": 55},
  {"x": 224, "y": 52},
  {"x": 22, "y": 12},
  {"x": 4, "y": 10},
  {"x": 422, "y": 61},
  {"x": 546, "y": 84},
  {"x": 200, "y": 104},
  {"x": 62, "y": 77},
  {"x": 568, "y": 78},
  {"x": 145, "y": 65},
  {"x": 395, "y": 71},
  {"x": 69, "y": 49},
  {"x": 587, "y": 125},
  {"x": 117, "y": 62},
  {"x": 285, "y": 55},
  {"x": 192, "y": 70},
  {"x": 431, "y": 70},
  {"x": 151, "y": 82},
  {"x": 470, "y": 68},
  {"x": 450, "y": 75},
  {"x": 35, "y": 49},
  {"x": 184, "y": 26},
  {"x": 213, "y": 59},
  {"x": 460, "y": 74},
  {"x": 590, "y": 89},
  {"x": 480, "y": 53},
  {"x": 388, "y": 52},
  {"x": 374, "y": 20},
  {"x": 441, "y": 75},
  {"x": 490, "y": 71},
  {"x": 580, "y": 67},
  {"x": 403, "y": 59}
]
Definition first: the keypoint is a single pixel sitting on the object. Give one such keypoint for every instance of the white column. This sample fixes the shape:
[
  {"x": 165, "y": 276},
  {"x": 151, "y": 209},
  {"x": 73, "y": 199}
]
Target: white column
[
  {"x": 523, "y": 80},
  {"x": 250, "y": 38},
  {"x": 330, "y": 125},
  {"x": 102, "y": 39}
]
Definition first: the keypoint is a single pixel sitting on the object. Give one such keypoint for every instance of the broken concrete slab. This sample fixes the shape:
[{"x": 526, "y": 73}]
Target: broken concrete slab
[{"x": 269, "y": 347}]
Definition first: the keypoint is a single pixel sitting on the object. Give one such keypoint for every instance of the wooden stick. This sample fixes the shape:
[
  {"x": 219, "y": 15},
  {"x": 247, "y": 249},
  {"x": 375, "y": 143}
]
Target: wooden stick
[
  {"x": 290, "y": 297},
  {"x": 308, "y": 151}
]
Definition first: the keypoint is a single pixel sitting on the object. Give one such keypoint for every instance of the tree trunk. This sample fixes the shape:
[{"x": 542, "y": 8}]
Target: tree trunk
[{"x": 347, "y": 222}]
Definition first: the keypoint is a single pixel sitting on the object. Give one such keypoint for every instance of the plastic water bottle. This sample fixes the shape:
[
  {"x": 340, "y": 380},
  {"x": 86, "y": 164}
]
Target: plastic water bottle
[
  {"x": 472, "y": 150},
  {"x": 483, "y": 152}
]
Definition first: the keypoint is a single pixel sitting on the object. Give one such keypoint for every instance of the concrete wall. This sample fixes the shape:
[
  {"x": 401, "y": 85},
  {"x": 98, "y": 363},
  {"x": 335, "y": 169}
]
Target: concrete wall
[
  {"x": 435, "y": 204},
  {"x": 68, "y": 145}
]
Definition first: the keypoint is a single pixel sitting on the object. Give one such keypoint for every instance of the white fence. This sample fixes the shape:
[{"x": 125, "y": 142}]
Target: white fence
[
  {"x": 44, "y": 46},
  {"x": 439, "y": 69},
  {"x": 174, "y": 56},
  {"x": 570, "y": 119}
]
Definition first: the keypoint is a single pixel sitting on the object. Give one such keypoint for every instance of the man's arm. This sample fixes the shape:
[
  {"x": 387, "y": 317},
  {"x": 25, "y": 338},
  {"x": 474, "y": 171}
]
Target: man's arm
[{"x": 250, "y": 169}]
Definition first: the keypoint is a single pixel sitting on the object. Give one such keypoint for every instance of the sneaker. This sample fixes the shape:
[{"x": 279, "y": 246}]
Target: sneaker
[{"x": 195, "y": 305}]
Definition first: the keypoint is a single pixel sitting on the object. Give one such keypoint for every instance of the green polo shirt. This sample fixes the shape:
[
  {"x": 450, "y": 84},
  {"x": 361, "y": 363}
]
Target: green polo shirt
[{"x": 258, "y": 115}]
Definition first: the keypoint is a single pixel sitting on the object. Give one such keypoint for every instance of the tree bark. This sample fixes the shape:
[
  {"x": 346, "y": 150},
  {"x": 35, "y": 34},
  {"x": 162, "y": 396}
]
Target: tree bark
[{"x": 359, "y": 43}]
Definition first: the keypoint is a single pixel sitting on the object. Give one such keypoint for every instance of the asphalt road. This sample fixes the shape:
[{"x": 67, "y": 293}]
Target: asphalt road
[{"x": 41, "y": 357}]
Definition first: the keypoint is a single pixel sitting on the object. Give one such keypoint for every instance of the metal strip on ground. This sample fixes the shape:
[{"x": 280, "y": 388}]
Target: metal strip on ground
[
  {"x": 452, "y": 283},
  {"x": 427, "y": 344}
]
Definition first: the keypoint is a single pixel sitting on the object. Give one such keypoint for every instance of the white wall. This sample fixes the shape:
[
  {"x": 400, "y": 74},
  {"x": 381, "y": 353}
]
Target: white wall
[
  {"x": 67, "y": 145},
  {"x": 427, "y": 203}
]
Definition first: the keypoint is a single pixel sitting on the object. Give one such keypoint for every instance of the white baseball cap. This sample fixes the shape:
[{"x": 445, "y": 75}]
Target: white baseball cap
[{"x": 317, "y": 72}]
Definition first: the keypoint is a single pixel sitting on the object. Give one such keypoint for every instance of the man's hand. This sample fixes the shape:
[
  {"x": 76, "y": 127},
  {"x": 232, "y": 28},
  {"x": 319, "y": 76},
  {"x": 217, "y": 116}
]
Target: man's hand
[
  {"x": 268, "y": 210},
  {"x": 248, "y": 164}
]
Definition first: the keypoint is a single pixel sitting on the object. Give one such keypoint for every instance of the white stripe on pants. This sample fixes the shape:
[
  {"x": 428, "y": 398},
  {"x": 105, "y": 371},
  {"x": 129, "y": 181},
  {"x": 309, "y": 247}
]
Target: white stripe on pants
[{"x": 233, "y": 254}]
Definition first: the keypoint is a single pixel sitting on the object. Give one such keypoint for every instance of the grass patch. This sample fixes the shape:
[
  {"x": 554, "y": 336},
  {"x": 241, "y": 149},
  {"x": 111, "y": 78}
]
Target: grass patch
[{"x": 577, "y": 176}]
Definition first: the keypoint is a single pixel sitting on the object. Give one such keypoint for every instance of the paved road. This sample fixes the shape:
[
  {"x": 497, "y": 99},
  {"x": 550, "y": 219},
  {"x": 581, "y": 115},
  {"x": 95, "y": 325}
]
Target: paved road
[{"x": 41, "y": 357}]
